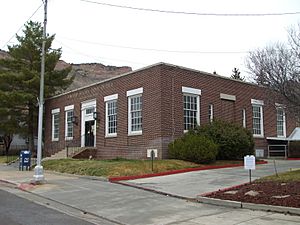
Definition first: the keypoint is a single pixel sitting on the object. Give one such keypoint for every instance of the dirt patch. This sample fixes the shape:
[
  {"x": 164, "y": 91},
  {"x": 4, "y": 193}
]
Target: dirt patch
[{"x": 268, "y": 192}]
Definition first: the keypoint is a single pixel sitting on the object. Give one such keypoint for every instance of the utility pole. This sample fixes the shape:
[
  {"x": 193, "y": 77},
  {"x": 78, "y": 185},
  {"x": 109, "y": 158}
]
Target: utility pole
[{"x": 38, "y": 170}]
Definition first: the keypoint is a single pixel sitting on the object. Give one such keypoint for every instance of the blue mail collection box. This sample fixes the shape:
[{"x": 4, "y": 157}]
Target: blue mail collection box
[{"x": 25, "y": 158}]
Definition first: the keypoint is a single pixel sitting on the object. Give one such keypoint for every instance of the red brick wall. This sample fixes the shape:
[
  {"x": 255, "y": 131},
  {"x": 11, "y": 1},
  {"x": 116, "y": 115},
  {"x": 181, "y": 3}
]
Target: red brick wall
[{"x": 162, "y": 109}]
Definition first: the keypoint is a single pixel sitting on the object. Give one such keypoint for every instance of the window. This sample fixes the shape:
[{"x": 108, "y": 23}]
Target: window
[
  {"x": 69, "y": 131},
  {"x": 89, "y": 110},
  {"x": 244, "y": 117},
  {"x": 135, "y": 119},
  {"x": 55, "y": 124},
  {"x": 281, "y": 129},
  {"x": 111, "y": 115},
  {"x": 210, "y": 113},
  {"x": 257, "y": 111},
  {"x": 191, "y": 107}
]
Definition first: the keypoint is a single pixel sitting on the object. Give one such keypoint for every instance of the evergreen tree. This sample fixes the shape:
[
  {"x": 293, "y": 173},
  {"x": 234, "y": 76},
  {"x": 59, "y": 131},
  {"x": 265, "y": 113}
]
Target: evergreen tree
[
  {"x": 20, "y": 81},
  {"x": 236, "y": 74}
]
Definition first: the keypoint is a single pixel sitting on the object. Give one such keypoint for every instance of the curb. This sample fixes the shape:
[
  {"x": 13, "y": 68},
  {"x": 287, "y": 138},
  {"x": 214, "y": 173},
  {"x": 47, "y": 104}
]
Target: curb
[
  {"x": 79, "y": 176},
  {"x": 115, "y": 179},
  {"x": 246, "y": 205}
]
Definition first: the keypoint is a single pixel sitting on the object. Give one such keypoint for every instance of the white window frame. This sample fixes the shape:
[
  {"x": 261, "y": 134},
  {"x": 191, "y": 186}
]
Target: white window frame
[
  {"x": 244, "y": 118},
  {"x": 211, "y": 113},
  {"x": 196, "y": 93},
  {"x": 55, "y": 112},
  {"x": 258, "y": 103},
  {"x": 279, "y": 107},
  {"x": 68, "y": 109},
  {"x": 130, "y": 95},
  {"x": 107, "y": 100}
]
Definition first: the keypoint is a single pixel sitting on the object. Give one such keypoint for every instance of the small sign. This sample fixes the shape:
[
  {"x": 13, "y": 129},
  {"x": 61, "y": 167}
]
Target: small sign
[
  {"x": 249, "y": 162},
  {"x": 149, "y": 152}
]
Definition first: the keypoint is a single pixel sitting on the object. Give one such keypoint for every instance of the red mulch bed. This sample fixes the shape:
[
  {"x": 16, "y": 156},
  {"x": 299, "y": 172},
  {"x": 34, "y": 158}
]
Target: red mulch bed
[{"x": 290, "y": 192}]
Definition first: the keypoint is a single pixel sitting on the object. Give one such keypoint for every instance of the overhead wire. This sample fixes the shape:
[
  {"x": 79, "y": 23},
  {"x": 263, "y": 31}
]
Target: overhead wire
[
  {"x": 191, "y": 13},
  {"x": 156, "y": 50},
  {"x": 22, "y": 25}
]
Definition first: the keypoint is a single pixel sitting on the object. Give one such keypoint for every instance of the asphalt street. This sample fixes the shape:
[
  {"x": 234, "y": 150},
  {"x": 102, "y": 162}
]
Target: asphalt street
[
  {"x": 15, "y": 210},
  {"x": 111, "y": 203}
]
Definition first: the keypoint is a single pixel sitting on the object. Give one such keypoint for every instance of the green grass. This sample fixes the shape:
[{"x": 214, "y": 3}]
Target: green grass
[
  {"x": 120, "y": 167},
  {"x": 7, "y": 159},
  {"x": 293, "y": 175}
]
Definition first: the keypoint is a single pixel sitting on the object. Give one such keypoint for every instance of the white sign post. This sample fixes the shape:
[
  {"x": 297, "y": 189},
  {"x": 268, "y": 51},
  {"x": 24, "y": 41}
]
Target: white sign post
[{"x": 249, "y": 164}]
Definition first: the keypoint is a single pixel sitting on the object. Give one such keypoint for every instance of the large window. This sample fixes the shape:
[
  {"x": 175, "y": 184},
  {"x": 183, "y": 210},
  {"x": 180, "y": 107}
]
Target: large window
[
  {"x": 55, "y": 124},
  {"x": 281, "y": 128},
  {"x": 135, "y": 118},
  {"x": 257, "y": 118},
  {"x": 191, "y": 107},
  {"x": 111, "y": 115},
  {"x": 69, "y": 131}
]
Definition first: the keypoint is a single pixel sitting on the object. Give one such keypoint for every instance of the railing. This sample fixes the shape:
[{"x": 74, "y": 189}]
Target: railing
[
  {"x": 277, "y": 151},
  {"x": 72, "y": 147}
]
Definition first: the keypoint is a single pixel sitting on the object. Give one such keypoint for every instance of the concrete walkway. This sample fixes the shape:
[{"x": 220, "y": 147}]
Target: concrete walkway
[
  {"x": 109, "y": 203},
  {"x": 195, "y": 183}
]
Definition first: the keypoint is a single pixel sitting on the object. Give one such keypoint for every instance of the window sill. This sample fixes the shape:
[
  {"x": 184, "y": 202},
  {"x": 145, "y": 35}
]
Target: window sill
[
  {"x": 69, "y": 138},
  {"x": 55, "y": 140},
  {"x": 258, "y": 136},
  {"x": 135, "y": 133},
  {"x": 111, "y": 135}
]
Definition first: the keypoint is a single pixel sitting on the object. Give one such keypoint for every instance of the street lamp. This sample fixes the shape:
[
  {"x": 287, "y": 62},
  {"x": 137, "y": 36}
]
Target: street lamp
[{"x": 38, "y": 170}]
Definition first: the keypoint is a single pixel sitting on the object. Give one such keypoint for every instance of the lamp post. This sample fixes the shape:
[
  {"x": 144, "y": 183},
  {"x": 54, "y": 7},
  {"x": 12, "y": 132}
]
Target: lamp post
[{"x": 38, "y": 170}]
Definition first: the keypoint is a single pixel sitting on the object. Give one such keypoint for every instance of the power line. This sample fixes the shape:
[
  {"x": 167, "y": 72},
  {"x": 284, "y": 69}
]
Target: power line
[
  {"x": 158, "y": 50},
  {"x": 22, "y": 25},
  {"x": 192, "y": 13},
  {"x": 94, "y": 57}
]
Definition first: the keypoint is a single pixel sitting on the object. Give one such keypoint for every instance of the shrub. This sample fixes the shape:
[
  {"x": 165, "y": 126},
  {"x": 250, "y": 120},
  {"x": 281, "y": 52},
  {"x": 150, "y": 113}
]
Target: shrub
[
  {"x": 233, "y": 140},
  {"x": 193, "y": 148}
]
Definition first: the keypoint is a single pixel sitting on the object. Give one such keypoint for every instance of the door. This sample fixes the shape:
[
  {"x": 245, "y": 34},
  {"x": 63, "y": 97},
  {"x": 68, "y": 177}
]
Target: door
[{"x": 89, "y": 133}]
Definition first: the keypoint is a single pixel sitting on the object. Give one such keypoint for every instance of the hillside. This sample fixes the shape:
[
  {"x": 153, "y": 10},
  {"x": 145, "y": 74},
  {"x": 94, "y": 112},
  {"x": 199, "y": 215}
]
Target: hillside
[{"x": 86, "y": 73}]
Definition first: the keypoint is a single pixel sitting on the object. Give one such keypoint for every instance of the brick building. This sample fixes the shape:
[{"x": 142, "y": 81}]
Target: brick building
[{"x": 145, "y": 109}]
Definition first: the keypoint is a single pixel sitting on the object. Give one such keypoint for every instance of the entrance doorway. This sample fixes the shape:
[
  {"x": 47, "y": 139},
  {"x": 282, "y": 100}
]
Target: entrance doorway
[{"x": 89, "y": 133}]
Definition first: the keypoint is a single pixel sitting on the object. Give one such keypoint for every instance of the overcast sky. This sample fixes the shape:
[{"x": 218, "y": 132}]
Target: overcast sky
[{"x": 89, "y": 32}]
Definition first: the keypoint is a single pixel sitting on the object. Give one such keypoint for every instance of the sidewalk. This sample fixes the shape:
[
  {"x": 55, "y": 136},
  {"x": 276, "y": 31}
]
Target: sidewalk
[
  {"x": 195, "y": 183},
  {"x": 119, "y": 204}
]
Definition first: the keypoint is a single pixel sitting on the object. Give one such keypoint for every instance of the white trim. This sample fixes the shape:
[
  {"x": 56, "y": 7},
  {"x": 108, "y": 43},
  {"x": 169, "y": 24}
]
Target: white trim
[
  {"x": 88, "y": 104},
  {"x": 134, "y": 92},
  {"x": 106, "y": 117},
  {"x": 53, "y": 113},
  {"x": 257, "y": 102},
  {"x": 69, "y": 107},
  {"x": 244, "y": 118},
  {"x": 198, "y": 108},
  {"x": 57, "y": 110},
  {"x": 66, "y": 122},
  {"x": 130, "y": 132},
  {"x": 211, "y": 111},
  {"x": 84, "y": 118},
  {"x": 227, "y": 97},
  {"x": 261, "y": 121},
  {"x": 111, "y": 97},
  {"x": 284, "y": 120},
  {"x": 189, "y": 90}
]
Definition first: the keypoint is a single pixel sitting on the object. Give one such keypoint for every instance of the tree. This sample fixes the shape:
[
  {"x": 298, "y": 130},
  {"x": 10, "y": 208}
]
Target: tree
[
  {"x": 236, "y": 74},
  {"x": 277, "y": 67},
  {"x": 20, "y": 80}
]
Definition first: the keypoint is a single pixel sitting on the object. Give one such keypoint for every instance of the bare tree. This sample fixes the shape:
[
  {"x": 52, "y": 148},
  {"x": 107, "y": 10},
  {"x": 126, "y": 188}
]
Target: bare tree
[{"x": 277, "y": 67}]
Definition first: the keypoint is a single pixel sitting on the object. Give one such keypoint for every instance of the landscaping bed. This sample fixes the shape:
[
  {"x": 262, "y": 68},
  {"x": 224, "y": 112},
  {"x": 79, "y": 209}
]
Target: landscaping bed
[{"x": 281, "y": 190}]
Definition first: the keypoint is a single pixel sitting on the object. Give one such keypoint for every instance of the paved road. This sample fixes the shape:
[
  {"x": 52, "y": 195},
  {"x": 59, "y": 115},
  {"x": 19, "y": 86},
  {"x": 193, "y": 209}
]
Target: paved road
[
  {"x": 19, "y": 211},
  {"x": 118, "y": 204},
  {"x": 194, "y": 183}
]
